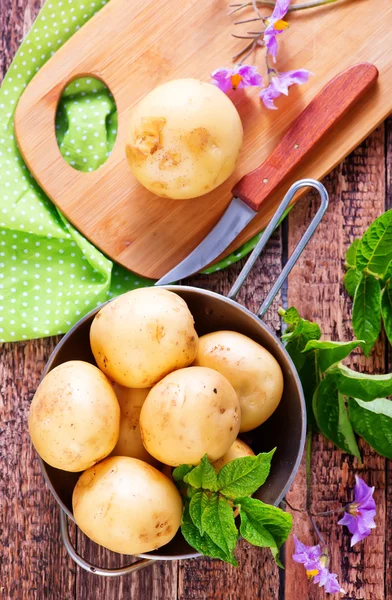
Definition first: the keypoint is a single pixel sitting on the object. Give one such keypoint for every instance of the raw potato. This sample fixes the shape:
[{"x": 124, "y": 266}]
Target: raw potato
[
  {"x": 190, "y": 413},
  {"x": 184, "y": 139},
  {"x": 130, "y": 441},
  {"x": 253, "y": 372},
  {"x": 74, "y": 418},
  {"x": 127, "y": 506},
  {"x": 142, "y": 335},
  {"x": 237, "y": 450}
]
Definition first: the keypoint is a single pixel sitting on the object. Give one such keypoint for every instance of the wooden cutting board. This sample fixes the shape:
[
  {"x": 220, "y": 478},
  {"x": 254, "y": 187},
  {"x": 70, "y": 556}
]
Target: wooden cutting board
[{"x": 134, "y": 45}]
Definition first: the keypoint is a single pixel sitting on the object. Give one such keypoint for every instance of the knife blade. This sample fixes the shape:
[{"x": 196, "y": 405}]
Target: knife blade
[{"x": 330, "y": 104}]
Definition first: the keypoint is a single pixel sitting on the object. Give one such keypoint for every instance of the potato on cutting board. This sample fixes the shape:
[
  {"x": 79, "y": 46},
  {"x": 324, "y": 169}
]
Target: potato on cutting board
[{"x": 184, "y": 138}]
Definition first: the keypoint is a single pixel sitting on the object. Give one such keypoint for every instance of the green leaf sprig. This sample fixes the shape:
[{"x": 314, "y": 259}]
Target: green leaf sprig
[
  {"x": 211, "y": 502},
  {"x": 368, "y": 281},
  {"x": 340, "y": 402}
]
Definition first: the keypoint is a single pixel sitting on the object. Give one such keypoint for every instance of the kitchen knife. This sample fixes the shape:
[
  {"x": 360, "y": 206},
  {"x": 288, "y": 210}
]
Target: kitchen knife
[{"x": 249, "y": 193}]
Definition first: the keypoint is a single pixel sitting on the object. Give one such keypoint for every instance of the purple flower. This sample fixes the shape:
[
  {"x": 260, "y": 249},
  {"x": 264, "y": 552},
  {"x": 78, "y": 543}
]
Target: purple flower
[
  {"x": 328, "y": 580},
  {"x": 359, "y": 516},
  {"x": 275, "y": 26},
  {"x": 239, "y": 77},
  {"x": 309, "y": 556},
  {"x": 316, "y": 565},
  {"x": 280, "y": 83}
]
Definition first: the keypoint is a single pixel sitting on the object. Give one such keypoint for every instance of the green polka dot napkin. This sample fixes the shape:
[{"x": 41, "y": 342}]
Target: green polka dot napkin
[{"x": 50, "y": 276}]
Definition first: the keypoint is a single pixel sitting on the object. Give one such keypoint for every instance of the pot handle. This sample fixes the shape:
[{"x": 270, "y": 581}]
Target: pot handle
[
  {"x": 302, "y": 183},
  {"x": 87, "y": 566}
]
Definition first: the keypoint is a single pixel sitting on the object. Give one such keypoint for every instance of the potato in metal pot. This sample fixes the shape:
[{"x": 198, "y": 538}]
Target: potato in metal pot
[
  {"x": 252, "y": 371},
  {"x": 74, "y": 418},
  {"x": 130, "y": 441},
  {"x": 127, "y": 506},
  {"x": 238, "y": 450},
  {"x": 190, "y": 413},
  {"x": 184, "y": 139},
  {"x": 141, "y": 336}
]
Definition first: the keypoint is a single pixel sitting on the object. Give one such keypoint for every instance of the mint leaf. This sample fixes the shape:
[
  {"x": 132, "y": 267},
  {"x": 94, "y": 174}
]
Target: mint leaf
[
  {"x": 366, "y": 311},
  {"x": 351, "y": 280},
  {"x": 291, "y": 316},
  {"x": 243, "y": 476},
  {"x": 351, "y": 255},
  {"x": 310, "y": 376},
  {"x": 360, "y": 385},
  {"x": 197, "y": 506},
  {"x": 264, "y": 525},
  {"x": 386, "y": 309},
  {"x": 374, "y": 252},
  {"x": 218, "y": 523},
  {"x": 202, "y": 543},
  {"x": 373, "y": 422},
  {"x": 180, "y": 472},
  {"x": 388, "y": 272},
  {"x": 297, "y": 335},
  {"x": 330, "y": 353},
  {"x": 331, "y": 415},
  {"x": 202, "y": 476}
]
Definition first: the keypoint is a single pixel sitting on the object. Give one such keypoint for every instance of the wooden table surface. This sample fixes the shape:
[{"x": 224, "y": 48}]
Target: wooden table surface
[{"x": 33, "y": 563}]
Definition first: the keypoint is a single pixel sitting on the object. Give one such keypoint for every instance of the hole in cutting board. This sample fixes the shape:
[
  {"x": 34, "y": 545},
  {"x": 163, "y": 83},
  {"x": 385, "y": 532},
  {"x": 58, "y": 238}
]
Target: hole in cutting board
[{"x": 86, "y": 124}]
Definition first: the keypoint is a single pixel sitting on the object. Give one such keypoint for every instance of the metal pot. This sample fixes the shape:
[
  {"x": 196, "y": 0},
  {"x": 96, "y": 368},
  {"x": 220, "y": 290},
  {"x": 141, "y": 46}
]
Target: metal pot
[{"x": 285, "y": 429}]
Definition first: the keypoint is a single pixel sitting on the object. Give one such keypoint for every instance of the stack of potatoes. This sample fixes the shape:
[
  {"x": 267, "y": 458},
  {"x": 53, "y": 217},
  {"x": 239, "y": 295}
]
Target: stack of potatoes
[{"x": 158, "y": 397}]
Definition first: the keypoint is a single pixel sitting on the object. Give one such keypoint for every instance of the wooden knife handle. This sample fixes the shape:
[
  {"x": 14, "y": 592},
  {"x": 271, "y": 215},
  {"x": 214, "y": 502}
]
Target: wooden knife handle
[{"x": 316, "y": 119}]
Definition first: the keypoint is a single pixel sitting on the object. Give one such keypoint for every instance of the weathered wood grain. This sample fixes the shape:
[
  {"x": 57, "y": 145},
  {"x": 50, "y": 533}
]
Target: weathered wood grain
[
  {"x": 16, "y": 17},
  {"x": 388, "y": 489},
  {"x": 357, "y": 192},
  {"x": 33, "y": 562},
  {"x": 256, "y": 577},
  {"x": 153, "y": 583}
]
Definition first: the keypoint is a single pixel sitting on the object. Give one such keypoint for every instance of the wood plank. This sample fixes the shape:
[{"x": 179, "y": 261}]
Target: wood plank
[
  {"x": 388, "y": 523},
  {"x": 357, "y": 191},
  {"x": 135, "y": 227},
  {"x": 154, "y": 582},
  {"x": 205, "y": 579},
  {"x": 256, "y": 576},
  {"x": 34, "y": 562},
  {"x": 16, "y": 18}
]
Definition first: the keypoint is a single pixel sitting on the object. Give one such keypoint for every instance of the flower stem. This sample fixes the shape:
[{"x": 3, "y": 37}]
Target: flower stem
[
  {"x": 247, "y": 51},
  {"x": 254, "y": 4},
  {"x": 317, "y": 530},
  {"x": 336, "y": 511},
  {"x": 295, "y": 7}
]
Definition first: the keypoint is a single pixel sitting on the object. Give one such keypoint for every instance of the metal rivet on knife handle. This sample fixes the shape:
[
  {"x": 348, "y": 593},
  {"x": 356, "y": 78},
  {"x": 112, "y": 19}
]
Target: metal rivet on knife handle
[{"x": 303, "y": 183}]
